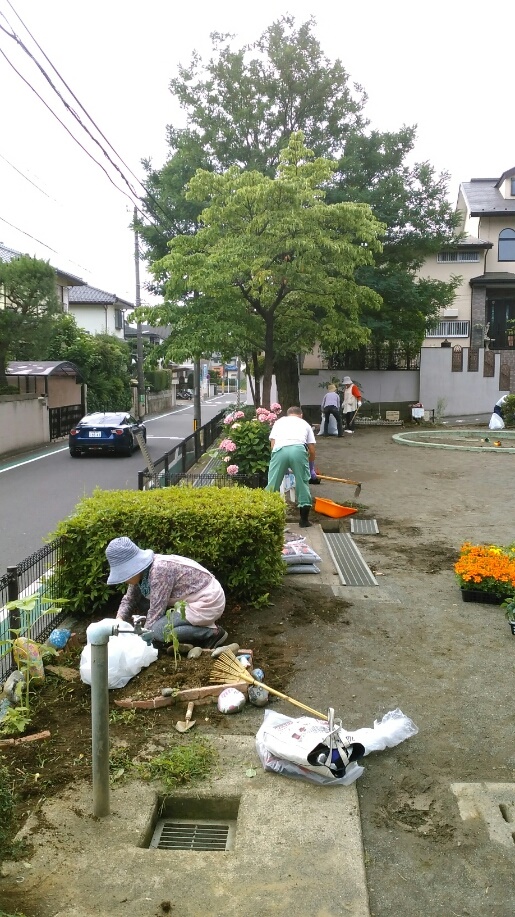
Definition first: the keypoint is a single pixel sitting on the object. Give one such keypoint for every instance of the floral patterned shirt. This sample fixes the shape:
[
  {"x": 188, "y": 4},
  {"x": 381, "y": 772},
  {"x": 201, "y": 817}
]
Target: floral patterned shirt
[{"x": 171, "y": 579}]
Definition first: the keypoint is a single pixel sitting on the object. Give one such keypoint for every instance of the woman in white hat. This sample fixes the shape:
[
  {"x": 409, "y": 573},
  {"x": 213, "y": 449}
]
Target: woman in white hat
[
  {"x": 351, "y": 403},
  {"x": 157, "y": 582}
]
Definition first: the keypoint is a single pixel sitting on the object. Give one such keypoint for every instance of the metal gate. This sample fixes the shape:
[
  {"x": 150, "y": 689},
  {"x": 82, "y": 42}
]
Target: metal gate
[{"x": 62, "y": 419}]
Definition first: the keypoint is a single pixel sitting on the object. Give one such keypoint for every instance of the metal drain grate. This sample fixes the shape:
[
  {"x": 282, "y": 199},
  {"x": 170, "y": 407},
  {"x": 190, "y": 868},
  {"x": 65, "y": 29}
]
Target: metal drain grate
[
  {"x": 352, "y": 569},
  {"x": 189, "y": 835},
  {"x": 364, "y": 527}
]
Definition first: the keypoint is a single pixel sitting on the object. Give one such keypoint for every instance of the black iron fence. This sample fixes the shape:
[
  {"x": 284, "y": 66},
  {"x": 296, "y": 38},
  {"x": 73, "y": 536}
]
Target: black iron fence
[
  {"x": 205, "y": 479},
  {"x": 36, "y": 579},
  {"x": 182, "y": 457}
]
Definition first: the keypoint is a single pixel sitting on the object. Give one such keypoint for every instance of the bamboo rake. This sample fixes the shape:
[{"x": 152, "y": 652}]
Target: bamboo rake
[{"x": 227, "y": 670}]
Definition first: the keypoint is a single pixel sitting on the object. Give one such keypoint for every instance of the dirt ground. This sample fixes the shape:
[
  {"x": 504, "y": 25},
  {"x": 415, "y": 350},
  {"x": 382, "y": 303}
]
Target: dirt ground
[{"x": 411, "y": 642}]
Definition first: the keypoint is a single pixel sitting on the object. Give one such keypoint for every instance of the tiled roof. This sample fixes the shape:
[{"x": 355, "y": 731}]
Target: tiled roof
[
  {"x": 469, "y": 242},
  {"x": 87, "y": 294},
  {"x": 484, "y": 198},
  {"x": 9, "y": 254},
  {"x": 492, "y": 277}
]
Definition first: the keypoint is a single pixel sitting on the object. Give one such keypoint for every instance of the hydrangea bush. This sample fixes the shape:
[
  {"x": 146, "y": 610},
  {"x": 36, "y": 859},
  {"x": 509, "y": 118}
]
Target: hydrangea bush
[{"x": 245, "y": 446}]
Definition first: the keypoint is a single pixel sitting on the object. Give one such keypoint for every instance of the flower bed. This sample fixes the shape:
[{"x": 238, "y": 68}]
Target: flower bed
[
  {"x": 245, "y": 447},
  {"x": 486, "y": 571}
]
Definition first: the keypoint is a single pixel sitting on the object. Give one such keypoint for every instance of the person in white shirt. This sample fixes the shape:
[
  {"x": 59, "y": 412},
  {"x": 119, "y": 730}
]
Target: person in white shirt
[{"x": 293, "y": 446}]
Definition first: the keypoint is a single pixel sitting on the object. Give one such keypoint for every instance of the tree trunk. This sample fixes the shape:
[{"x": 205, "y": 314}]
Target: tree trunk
[
  {"x": 257, "y": 379},
  {"x": 287, "y": 378},
  {"x": 269, "y": 360}
]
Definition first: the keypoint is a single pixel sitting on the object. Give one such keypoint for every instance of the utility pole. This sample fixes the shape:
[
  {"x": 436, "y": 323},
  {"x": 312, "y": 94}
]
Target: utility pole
[{"x": 139, "y": 338}]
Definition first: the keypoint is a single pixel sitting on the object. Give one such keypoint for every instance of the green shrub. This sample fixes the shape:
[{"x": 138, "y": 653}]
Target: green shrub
[
  {"x": 508, "y": 411},
  {"x": 236, "y": 532},
  {"x": 245, "y": 444},
  {"x": 158, "y": 379}
]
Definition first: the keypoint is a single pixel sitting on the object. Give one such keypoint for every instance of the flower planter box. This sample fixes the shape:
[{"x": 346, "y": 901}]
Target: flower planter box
[{"x": 476, "y": 595}]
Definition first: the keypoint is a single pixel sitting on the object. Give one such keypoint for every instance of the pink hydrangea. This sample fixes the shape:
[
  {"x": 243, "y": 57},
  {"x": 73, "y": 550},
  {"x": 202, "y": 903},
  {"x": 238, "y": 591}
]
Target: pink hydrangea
[
  {"x": 276, "y": 408},
  {"x": 229, "y": 418},
  {"x": 263, "y": 417},
  {"x": 232, "y": 469},
  {"x": 227, "y": 445},
  {"x": 238, "y": 414},
  {"x": 272, "y": 416}
]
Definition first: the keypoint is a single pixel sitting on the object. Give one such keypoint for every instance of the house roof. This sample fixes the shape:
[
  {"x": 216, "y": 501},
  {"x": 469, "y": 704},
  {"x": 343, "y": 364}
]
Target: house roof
[
  {"x": 131, "y": 331},
  {"x": 469, "y": 242},
  {"x": 87, "y": 294},
  {"x": 492, "y": 277},
  {"x": 9, "y": 254},
  {"x": 44, "y": 368},
  {"x": 483, "y": 197}
]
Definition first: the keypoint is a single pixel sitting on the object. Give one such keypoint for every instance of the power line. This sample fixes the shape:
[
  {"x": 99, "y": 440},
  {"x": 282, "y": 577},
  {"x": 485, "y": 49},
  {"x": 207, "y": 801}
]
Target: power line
[
  {"x": 50, "y": 249},
  {"x": 149, "y": 195},
  {"x": 27, "y": 179}
]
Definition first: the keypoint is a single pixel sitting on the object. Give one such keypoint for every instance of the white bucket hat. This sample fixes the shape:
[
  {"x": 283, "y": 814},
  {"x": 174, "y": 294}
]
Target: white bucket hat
[
  {"x": 126, "y": 560},
  {"x": 347, "y": 380}
]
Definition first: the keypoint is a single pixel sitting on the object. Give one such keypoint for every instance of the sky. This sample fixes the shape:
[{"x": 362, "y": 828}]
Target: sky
[{"x": 445, "y": 67}]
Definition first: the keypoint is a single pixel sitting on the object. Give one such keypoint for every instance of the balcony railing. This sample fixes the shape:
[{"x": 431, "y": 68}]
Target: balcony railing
[{"x": 450, "y": 329}]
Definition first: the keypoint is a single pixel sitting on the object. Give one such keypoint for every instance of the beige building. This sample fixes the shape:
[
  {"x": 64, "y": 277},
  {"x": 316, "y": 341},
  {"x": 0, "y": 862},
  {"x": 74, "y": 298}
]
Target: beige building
[{"x": 483, "y": 313}]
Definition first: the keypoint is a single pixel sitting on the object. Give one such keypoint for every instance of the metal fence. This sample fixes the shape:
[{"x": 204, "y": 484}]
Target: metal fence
[
  {"x": 182, "y": 457},
  {"x": 35, "y": 577},
  {"x": 204, "y": 479}
]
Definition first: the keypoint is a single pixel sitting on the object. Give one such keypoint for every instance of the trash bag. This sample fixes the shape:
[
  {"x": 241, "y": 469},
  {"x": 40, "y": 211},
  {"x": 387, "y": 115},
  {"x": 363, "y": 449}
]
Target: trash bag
[
  {"x": 496, "y": 422},
  {"x": 127, "y": 654}
]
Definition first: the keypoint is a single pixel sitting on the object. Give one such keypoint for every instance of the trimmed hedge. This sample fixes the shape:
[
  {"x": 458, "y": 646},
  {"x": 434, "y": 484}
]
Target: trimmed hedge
[{"x": 236, "y": 533}]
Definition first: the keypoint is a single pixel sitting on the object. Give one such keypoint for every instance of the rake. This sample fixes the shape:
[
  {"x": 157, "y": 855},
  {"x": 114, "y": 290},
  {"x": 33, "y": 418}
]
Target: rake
[
  {"x": 357, "y": 484},
  {"x": 227, "y": 670}
]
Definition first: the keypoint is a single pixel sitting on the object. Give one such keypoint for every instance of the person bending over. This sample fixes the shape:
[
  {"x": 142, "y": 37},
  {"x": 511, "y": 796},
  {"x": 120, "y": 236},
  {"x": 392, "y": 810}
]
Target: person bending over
[
  {"x": 157, "y": 582},
  {"x": 293, "y": 446}
]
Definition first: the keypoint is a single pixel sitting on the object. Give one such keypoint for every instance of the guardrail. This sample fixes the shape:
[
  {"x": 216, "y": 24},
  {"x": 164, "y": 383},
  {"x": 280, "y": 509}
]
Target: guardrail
[
  {"x": 181, "y": 458},
  {"x": 37, "y": 575}
]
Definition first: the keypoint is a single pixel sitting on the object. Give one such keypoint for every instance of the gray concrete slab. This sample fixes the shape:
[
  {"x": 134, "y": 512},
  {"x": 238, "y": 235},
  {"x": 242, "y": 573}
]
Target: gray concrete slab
[{"x": 298, "y": 850}]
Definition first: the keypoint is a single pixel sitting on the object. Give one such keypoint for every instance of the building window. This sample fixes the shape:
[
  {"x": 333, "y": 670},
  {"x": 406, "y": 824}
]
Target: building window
[
  {"x": 456, "y": 257},
  {"x": 513, "y": 186},
  {"x": 118, "y": 319},
  {"x": 507, "y": 245},
  {"x": 450, "y": 329}
]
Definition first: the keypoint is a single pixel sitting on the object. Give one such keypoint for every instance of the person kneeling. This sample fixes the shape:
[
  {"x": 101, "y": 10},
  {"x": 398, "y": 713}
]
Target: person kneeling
[{"x": 157, "y": 582}]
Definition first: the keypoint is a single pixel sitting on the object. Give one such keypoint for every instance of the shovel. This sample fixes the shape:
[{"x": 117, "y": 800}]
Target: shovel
[
  {"x": 187, "y": 723},
  {"x": 357, "y": 484}
]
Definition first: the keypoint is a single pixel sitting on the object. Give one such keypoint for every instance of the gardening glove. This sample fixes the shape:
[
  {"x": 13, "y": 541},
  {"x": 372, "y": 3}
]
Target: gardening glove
[{"x": 359, "y": 404}]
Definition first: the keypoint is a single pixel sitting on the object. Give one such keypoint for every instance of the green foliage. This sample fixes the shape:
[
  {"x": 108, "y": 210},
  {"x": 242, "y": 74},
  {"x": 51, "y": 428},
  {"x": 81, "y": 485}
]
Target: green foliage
[
  {"x": 180, "y": 764},
  {"x": 251, "y": 437},
  {"x": 508, "y": 411},
  {"x": 103, "y": 359},
  {"x": 235, "y": 532},
  {"x": 169, "y": 635},
  {"x": 29, "y": 300},
  {"x": 509, "y": 608},
  {"x": 158, "y": 379},
  {"x": 6, "y": 807}
]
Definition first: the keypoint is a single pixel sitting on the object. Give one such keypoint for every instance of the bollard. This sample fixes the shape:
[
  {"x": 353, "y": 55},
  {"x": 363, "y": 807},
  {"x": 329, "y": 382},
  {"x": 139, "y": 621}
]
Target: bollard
[{"x": 98, "y": 636}]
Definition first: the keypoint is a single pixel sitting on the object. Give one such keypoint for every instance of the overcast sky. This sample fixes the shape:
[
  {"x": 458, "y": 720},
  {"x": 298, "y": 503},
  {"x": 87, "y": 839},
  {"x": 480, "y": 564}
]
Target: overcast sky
[{"x": 446, "y": 67}]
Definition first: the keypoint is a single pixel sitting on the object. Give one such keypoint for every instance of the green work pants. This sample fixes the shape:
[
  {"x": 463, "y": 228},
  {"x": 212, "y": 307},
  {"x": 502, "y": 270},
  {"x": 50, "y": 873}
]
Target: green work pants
[{"x": 296, "y": 458}]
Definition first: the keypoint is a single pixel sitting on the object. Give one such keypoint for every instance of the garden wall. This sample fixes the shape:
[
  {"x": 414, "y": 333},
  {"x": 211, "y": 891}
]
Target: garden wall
[{"x": 24, "y": 422}]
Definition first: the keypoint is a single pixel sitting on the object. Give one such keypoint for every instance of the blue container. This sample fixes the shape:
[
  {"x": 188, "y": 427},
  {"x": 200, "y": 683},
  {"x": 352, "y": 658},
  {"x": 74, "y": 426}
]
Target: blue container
[{"x": 59, "y": 637}]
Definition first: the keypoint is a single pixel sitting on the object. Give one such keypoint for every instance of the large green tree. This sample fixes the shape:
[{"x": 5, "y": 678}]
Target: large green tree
[
  {"x": 28, "y": 302},
  {"x": 241, "y": 107},
  {"x": 272, "y": 259},
  {"x": 104, "y": 361}
]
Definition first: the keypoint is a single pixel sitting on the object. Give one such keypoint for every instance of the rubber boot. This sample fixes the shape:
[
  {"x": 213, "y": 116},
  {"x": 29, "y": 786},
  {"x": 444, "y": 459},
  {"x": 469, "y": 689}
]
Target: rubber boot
[{"x": 304, "y": 517}]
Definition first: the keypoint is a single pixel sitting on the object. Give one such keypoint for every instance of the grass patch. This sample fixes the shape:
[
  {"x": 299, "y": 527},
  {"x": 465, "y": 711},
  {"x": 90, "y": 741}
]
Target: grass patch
[{"x": 180, "y": 764}]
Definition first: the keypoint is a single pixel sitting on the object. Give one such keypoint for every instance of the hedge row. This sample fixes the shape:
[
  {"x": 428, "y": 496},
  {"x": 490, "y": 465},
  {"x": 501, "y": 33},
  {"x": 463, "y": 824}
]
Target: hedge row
[{"x": 237, "y": 533}]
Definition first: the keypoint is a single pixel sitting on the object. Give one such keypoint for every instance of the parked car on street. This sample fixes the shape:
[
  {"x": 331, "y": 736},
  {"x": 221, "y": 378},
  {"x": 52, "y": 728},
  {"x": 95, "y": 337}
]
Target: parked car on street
[
  {"x": 113, "y": 431},
  {"x": 185, "y": 394}
]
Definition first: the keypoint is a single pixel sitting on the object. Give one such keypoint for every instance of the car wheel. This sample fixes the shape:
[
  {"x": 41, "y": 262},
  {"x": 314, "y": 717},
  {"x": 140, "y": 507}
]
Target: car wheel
[
  {"x": 128, "y": 449},
  {"x": 75, "y": 453}
]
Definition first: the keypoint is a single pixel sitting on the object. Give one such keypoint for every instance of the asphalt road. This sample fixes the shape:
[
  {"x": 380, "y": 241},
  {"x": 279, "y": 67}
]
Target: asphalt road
[{"x": 40, "y": 488}]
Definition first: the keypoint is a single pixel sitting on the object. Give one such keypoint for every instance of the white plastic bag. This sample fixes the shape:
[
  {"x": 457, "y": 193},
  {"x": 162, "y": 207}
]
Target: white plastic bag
[
  {"x": 127, "y": 654},
  {"x": 393, "y": 729},
  {"x": 496, "y": 422}
]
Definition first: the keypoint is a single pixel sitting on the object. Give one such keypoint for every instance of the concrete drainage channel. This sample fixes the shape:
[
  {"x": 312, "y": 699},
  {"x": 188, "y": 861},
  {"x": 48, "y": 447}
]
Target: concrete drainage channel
[{"x": 194, "y": 824}]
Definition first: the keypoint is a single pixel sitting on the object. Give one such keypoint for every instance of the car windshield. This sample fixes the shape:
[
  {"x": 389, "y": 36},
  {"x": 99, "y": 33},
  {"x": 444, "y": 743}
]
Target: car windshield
[{"x": 107, "y": 420}]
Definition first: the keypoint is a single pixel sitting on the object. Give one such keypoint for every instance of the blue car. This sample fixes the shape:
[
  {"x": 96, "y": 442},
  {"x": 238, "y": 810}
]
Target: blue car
[{"x": 114, "y": 432}]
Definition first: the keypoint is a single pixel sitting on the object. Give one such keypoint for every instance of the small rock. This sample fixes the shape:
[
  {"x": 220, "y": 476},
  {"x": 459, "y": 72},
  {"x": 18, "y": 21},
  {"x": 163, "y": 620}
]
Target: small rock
[
  {"x": 244, "y": 661},
  {"x": 231, "y": 648},
  {"x": 230, "y": 700},
  {"x": 167, "y": 692},
  {"x": 195, "y": 652},
  {"x": 258, "y": 674},
  {"x": 258, "y": 696},
  {"x": 184, "y": 648}
]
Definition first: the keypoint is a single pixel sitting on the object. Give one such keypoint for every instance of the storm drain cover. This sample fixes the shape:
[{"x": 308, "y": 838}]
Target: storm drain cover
[
  {"x": 352, "y": 569},
  {"x": 364, "y": 527},
  {"x": 176, "y": 834}
]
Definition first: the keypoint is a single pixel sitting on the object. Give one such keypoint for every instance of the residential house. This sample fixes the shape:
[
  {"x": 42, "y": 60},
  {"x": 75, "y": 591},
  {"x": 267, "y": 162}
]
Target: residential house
[
  {"x": 64, "y": 280},
  {"x": 483, "y": 314},
  {"x": 98, "y": 312}
]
